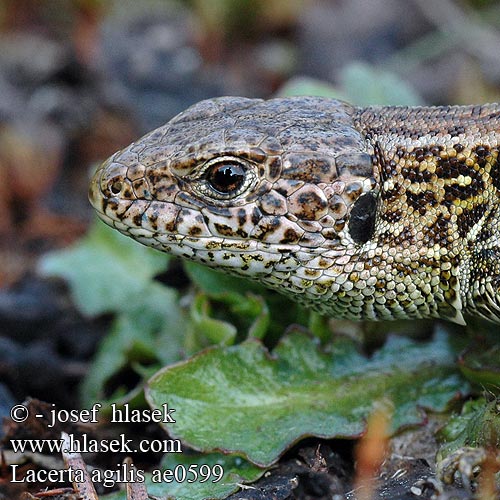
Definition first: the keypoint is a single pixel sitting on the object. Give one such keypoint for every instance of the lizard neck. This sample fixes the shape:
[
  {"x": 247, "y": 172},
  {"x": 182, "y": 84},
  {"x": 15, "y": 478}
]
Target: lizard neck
[{"x": 439, "y": 180}]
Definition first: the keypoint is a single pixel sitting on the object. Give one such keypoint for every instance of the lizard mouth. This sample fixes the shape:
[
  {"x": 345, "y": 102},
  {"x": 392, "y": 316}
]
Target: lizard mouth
[
  {"x": 250, "y": 258},
  {"x": 182, "y": 231}
]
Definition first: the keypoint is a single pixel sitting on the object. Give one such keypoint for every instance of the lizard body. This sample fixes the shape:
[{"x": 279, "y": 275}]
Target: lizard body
[{"x": 361, "y": 213}]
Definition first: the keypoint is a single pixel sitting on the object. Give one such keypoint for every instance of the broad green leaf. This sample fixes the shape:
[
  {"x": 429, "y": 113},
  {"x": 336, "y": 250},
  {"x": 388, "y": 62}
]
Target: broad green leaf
[
  {"x": 152, "y": 334},
  {"x": 151, "y": 331},
  {"x": 172, "y": 485},
  {"x": 107, "y": 271},
  {"x": 240, "y": 400}
]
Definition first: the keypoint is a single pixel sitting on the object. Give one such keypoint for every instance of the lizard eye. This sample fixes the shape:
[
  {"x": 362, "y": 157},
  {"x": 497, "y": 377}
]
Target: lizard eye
[{"x": 225, "y": 178}]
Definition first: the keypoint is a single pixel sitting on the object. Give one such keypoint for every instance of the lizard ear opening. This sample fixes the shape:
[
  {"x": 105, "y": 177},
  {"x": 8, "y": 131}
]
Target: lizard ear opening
[{"x": 362, "y": 218}]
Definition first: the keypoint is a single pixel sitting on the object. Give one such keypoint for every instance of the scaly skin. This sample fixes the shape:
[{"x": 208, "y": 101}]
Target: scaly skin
[{"x": 361, "y": 213}]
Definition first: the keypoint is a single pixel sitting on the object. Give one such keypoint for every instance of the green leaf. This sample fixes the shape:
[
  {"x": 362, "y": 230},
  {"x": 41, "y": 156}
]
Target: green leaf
[
  {"x": 231, "y": 309},
  {"x": 360, "y": 84},
  {"x": 153, "y": 334},
  {"x": 240, "y": 400},
  {"x": 107, "y": 271},
  {"x": 236, "y": 471},
  {"x": 480, "y": 363},
  {"x": 205, "y": 327},
  {"x": 249, "y": 312},
  {"x": 478, "y": 425},
  {"x": 216, "y": 283},
  {"x": 365, "y": 85},
  {"x": 152, "y": 331}
]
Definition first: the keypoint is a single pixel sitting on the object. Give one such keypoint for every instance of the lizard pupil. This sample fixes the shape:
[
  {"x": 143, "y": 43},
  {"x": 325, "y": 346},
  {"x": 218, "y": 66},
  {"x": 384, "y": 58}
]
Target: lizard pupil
[{"x": 226, "y": 178}]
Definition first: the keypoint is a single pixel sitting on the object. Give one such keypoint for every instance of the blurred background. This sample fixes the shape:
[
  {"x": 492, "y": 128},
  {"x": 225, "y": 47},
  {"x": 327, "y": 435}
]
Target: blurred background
[{"x": 79, "y": 79}]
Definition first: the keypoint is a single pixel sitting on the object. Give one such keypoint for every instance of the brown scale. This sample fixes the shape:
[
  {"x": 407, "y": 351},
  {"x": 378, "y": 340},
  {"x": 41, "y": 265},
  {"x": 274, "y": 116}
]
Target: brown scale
[
  {"x": 469, "y": 218},
  {"x": 495, "y": 170},
  {"x": 405, "y": 238}
]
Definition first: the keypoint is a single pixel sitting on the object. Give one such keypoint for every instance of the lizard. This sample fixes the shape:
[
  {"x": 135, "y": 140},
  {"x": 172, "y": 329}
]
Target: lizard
[{"x": 364, "y": 213}]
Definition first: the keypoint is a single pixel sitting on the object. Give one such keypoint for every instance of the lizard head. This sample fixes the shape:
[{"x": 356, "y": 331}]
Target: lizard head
[{"x": 260, "y": 187}]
